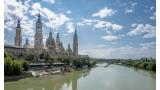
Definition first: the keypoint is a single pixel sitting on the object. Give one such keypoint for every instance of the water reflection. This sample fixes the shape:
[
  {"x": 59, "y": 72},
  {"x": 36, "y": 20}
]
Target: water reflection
[
  {"x": 55, "y": 82},
  {"x": 112, "y": 77},
  {"x": 144, "y": 72}
]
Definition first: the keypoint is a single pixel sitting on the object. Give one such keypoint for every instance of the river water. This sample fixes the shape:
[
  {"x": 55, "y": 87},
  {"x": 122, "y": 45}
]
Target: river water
[{"x": 112, "y": 77}]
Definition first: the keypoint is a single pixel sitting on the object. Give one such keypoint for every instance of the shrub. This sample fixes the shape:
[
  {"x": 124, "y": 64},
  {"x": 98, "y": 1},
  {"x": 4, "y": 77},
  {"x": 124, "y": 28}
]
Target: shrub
[
  {"x": 151, "y": 66},
  {"x": 12, "y": 67},
  {"x": 25, "y": 65}
]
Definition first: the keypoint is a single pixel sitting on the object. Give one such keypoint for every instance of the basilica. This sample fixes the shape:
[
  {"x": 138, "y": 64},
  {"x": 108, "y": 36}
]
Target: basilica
[{"x": 54, "y": 47}]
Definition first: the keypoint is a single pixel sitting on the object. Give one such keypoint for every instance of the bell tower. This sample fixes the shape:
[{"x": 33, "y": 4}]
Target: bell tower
[
  {"x": 18, "y": 37},
  {"x": 38, "y": 42},
  {"x": 75, "y": 44}
]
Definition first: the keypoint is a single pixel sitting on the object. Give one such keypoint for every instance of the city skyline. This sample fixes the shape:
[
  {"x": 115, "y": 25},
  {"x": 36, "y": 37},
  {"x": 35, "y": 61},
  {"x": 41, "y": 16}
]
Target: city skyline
[{"x": 104, "y": 27}]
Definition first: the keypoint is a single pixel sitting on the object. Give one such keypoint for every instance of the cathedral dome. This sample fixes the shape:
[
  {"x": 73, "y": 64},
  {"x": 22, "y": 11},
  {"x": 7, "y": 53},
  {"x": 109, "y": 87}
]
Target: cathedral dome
[{"x": 50, "y": 42}]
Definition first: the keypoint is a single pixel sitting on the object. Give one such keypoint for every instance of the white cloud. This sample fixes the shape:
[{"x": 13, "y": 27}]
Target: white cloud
[
  {"x": 100, "y": 24},
  {"x": 153, "y": 17},
  {"x": 88, "y": 21},
  {"x": 151, "y": 34},
  {"x": 109, "y": 37},
  {"x": 14, "y": 11},
  {"x": 103, "y": 24},
  {"x": 70, "y": 27},
  {"x": 129, "y": 10},
  {"x": 80, "y": 24},
  {"x": 49, "y": 1},
  {"x": 117, "y": 27},
  {"x": 108, "y": 32},
  {"x": 104, "y": 12},
  {"x": 108, "y": 25},
  {"x": 124, "y": 52},
  {"x": 147, "y": 45},
  {"x": 131, "y": 7},
  {"x": 147, "y": 30},
  {"x": 55, "y": 20},
  {"x": 152, "y": 7},
  {"x": 68, "y": 12}
]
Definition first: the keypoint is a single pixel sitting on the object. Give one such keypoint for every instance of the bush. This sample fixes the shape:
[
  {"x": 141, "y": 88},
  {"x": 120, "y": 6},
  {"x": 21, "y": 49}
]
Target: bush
[
  {"x": 151, "y": 67},
  {"x": 143, "y": 64},
  {"x": 14, "y": 67},
  {"x": 66, "y": 61},
  {"x": 29, "y": 56},
  {"x": 25, "y": 65}
]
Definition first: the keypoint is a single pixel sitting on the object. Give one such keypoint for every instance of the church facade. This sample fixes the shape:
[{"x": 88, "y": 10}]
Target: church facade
[{"x": 54, "y": 47}]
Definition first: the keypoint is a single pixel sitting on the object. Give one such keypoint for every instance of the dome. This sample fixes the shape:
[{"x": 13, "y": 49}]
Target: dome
[{"x": 50, "y": 42}]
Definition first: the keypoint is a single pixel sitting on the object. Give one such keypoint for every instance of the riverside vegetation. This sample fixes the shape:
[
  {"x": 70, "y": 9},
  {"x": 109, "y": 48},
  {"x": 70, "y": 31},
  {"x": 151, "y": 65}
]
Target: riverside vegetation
[
  {"x": 12, "y": 66},
  {"x": 143, "y": 63},
  {"x": 15, "y": 66}
]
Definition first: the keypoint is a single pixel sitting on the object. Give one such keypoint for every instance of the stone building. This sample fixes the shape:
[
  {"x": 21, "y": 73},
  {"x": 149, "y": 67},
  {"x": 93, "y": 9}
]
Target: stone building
[
  {"x": 18, "y": 37},
  {"x": 53, "y": 47}
]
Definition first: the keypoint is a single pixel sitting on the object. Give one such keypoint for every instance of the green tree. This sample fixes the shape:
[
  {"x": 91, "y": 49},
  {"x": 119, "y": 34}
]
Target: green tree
[{"x": 29, "y": 56}]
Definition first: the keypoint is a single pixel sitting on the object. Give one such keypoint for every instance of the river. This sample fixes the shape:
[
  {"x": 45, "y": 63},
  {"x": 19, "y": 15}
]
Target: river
[{"x": 112, "y": 77}]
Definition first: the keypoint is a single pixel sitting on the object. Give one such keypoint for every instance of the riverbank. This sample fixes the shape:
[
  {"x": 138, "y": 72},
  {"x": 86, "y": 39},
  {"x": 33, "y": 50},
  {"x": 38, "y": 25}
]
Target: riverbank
[
  {"x": 97, "y": 78},
  {"x": 149, "y": 65},
  {"x": 38, "y": 72},
  {"x": 17, "y": 77}
]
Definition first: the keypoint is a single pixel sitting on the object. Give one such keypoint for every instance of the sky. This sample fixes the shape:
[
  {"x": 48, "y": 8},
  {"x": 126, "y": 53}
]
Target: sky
[{"x": 109, "y": 29}]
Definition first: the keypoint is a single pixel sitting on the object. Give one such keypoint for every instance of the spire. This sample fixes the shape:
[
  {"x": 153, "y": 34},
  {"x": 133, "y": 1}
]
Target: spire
[
  {"x": 39, "y": 17},
  {"x": 57, "y": 35},
  {"x": 50, "y": 34},
  {"x": 18, "y": 24},
  {"x": 61, "y": 44},
  {"x": 18, "y": 38},
  {"x": 75, "y": 30},
  {"x": 75, "y": 34},
  {"x": 68, "y": 46},
  {"x": 27, "y": 42},
  {"x": 75, "y": 44}
]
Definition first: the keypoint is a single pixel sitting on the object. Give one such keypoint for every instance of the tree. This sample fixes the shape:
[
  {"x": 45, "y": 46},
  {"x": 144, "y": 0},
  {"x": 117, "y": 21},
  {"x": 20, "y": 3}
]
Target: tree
[
  {"x": 25, "y": 65},
  {"x": 59, "y": 59},
  {"x": 42, "y": 56},
  {"x": 66, "y": 61},
  {"x": 29, "y": 56},
  {"x": 46, "y": 57}
]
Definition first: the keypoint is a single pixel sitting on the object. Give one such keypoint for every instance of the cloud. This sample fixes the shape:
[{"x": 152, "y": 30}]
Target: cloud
[
  {"x": 24, "y": 11},
  {"x": 131, "y": 7},
  {"x": 153, "y": 17},
  {"x": 108, "y": 32},
  {"x": 129, "y": 10},
  {"x": 124, "y": 52},
  {"x": 108, "y": 25},
  {"x": 14, "y": 11},
  {"x": 55, "y": 21},
  {"x": 80, "y": 24},
  {"x": 49, "y": 1},
  {"x": 68, "y": 12},
  {"x": 152, "y": 7},
  {"x": 117, "y": 27},
  {"x": 147, "y": 30},
  {"x": 147, "y": 45},
  {"x": 70, "y": 27},
  {"x": 109, "y": 37},
  {"x": 100, "y": 24},
  {"x": 104, "y": 12},
  {"x": 88, "y": 21}
]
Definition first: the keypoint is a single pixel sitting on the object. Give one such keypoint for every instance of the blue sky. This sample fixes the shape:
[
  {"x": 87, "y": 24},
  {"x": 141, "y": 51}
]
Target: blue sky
[{"x": 106, "y": 28}]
